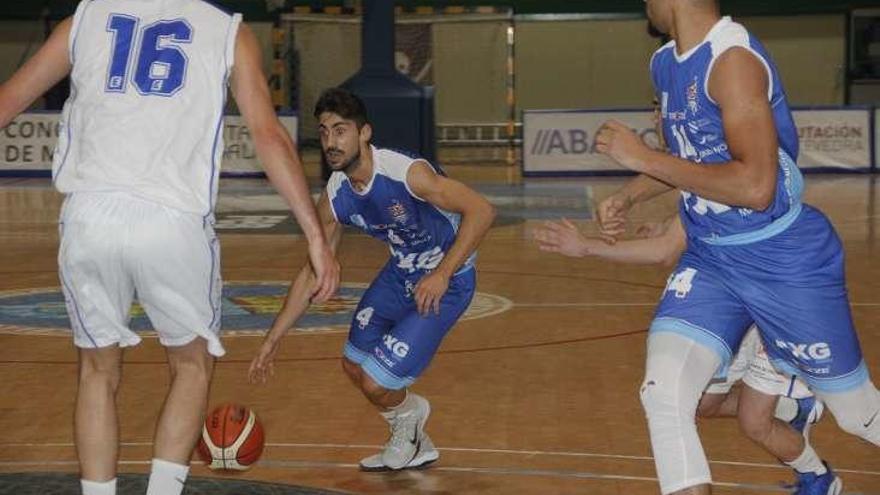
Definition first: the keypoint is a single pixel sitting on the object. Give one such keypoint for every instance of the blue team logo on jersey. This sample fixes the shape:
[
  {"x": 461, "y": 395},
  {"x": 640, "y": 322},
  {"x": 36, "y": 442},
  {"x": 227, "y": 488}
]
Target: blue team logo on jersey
[
  {"x": 395, "y": 239},
  {"x": 693, "y": 92},
  {"x": 248, "y": 309},
  {"x": 398, "y": 212}
]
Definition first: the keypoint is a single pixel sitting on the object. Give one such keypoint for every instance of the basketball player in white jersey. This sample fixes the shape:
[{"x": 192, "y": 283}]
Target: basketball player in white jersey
[
  {"x": 138, "y": 160},
  {"x": 774, "y": 410}
]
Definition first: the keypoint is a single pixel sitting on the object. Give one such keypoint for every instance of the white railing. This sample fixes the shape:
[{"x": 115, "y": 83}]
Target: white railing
[{"x": 479, "y": 134}]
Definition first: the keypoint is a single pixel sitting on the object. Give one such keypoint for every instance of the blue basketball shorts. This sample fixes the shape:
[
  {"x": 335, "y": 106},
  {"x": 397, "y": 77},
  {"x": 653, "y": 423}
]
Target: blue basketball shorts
[
  {"x": 388, "y": 337},
  {"x": 792, "y": 285}
]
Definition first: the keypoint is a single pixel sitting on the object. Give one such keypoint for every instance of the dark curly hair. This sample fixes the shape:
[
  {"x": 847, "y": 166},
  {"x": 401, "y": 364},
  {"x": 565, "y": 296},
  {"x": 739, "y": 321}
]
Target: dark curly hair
[{"x": 344, "y": 103}]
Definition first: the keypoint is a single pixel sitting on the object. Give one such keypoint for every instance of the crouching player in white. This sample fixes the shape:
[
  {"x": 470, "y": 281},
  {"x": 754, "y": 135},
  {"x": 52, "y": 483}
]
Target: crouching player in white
[
  {"x": 774, "y": 410},
  {"x": 432, "y": 226},
  {"x": 138, "y": 160}
]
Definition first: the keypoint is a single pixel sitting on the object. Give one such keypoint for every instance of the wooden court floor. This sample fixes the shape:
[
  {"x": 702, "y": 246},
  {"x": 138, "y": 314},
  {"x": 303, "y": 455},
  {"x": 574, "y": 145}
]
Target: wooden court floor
[{"x": 536, "y": 394}]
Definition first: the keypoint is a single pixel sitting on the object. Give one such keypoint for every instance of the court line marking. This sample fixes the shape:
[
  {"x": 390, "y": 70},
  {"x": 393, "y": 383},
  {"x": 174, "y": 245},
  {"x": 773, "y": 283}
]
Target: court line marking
[
  {"x": 582, "y": 305},
  {"x": 336, "y": 357},
  {"x": 625, "y": 304},
  {"x": 459, "y": 469},
  {"x": 549, "y": 453},
  {"x": 529, "y": 472}
]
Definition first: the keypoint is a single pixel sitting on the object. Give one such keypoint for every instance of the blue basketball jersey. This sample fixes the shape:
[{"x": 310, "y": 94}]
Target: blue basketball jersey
[
  {"x": 694, "y": 131},
  {"x": 418, "y": 233}
]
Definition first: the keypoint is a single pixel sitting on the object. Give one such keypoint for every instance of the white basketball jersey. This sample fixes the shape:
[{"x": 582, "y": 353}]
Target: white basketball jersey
[{"x": 148, "y": 88}]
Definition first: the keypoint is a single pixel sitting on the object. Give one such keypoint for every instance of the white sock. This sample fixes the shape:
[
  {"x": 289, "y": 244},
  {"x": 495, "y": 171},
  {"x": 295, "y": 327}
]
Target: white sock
[
  {"x": 167, "y": 478},
  {"x": 786, "y": 409},
  {"x": 389, "y": 415},
  {"x": 405, "y": 406},
  {"x": 98, "y": 488},
  {"x": 808, "y": 462}
]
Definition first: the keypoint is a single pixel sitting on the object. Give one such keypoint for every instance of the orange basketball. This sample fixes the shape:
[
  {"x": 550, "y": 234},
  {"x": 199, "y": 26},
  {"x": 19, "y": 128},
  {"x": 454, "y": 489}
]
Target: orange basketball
[{"x": 232, "y": 438}]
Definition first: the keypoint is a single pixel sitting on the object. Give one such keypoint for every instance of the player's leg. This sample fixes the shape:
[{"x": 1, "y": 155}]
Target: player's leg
[
  {"x": 757, "y": 422},
  {"x": 175, "y": 261},
  {"x": 96, "y": 425},
  {"x": 777, "y": 412},
  {"x": 98, "y": 293},
  {"x": 353, "y": 371},
  {"x": 807, "y": 326},
  {"x": 183, "y": 413},
  {"x": 392, "y": 403},
  {"x": 763, "y": 389},
  {"x": 721, "y": 398},
  {"x": 677, "y": 370},
  {"x": 799, "y": 302},
  {"x": 857, "y": 410},
  {"x": 396, "y": 362},
  {"x": 381, "y": 306},
  {"x": 718, "y": 404},
  {"x": 696, "y": 326}
]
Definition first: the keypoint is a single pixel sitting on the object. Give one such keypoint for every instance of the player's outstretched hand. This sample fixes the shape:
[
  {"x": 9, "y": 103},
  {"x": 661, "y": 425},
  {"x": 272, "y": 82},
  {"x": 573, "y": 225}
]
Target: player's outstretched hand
[
  {"x": 326, "y": 270},
  {"x": 429, "y": 291},
  {"x": 622, "y": 144},
  {"x": 263, "y": 365},
  {"x": 613, "y": 212},
  {"x": 651, "y": 229},
  {"x": 563, "y": 237}
]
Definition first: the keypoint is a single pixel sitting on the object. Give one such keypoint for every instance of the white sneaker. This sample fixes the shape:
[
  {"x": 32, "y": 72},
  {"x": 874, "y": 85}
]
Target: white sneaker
[
  {"x": 407, "y": 430},
  {"x": 426, "y": 456}
]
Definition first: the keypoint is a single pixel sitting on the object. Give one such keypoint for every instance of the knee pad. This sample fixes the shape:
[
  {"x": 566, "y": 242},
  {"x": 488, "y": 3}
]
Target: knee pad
[
  {"x": 678, "y": 455},
  {"x": 857, "y": 411},
  {"x": 660, "y": 401},
  {"x": 677, "y": 371},
  {"x": 852, "y": 422}
]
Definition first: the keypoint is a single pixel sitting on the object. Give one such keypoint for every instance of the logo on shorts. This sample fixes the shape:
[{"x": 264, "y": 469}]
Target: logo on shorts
[
  {"x": 398, "y": 347},
  {"x": 248, "y": 308},
  {"x": 382, "y": 357},
  {"x": 681, "y": 283},
  {"x": 363, "y": 317},
  {"x": 820, "y": 351},
  {"x": 410, "y": 288}
]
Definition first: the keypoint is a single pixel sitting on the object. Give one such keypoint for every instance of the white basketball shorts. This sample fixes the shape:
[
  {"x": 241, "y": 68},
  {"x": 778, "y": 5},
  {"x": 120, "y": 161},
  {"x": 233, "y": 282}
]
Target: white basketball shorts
[
  {"x": 115, "y": 245},
  {"x": 751, "y": 365}
]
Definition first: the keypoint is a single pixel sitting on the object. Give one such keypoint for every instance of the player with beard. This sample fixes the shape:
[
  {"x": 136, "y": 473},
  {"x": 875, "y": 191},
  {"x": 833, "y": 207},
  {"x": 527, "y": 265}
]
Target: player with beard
[{"x": 432, "y": 225}]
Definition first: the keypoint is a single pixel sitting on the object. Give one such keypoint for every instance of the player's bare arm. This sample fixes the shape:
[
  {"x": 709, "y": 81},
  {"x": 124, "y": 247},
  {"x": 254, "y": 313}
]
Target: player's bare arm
[
  {"x": 42, "y": 71},
  {"x": 613, "y": 210},
  {"x": 477, "y": 215},
  {"x": 297, "y": 301},
  {"x": 738, "y": 83},
  {"x": 278, "y": 155},
  {"x": 664, "y": 246}
]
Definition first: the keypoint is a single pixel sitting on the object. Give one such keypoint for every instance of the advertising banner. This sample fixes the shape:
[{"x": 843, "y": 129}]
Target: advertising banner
[
  {"x": 563, "y": 142},
  {"x": 28, "y": 142}
]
